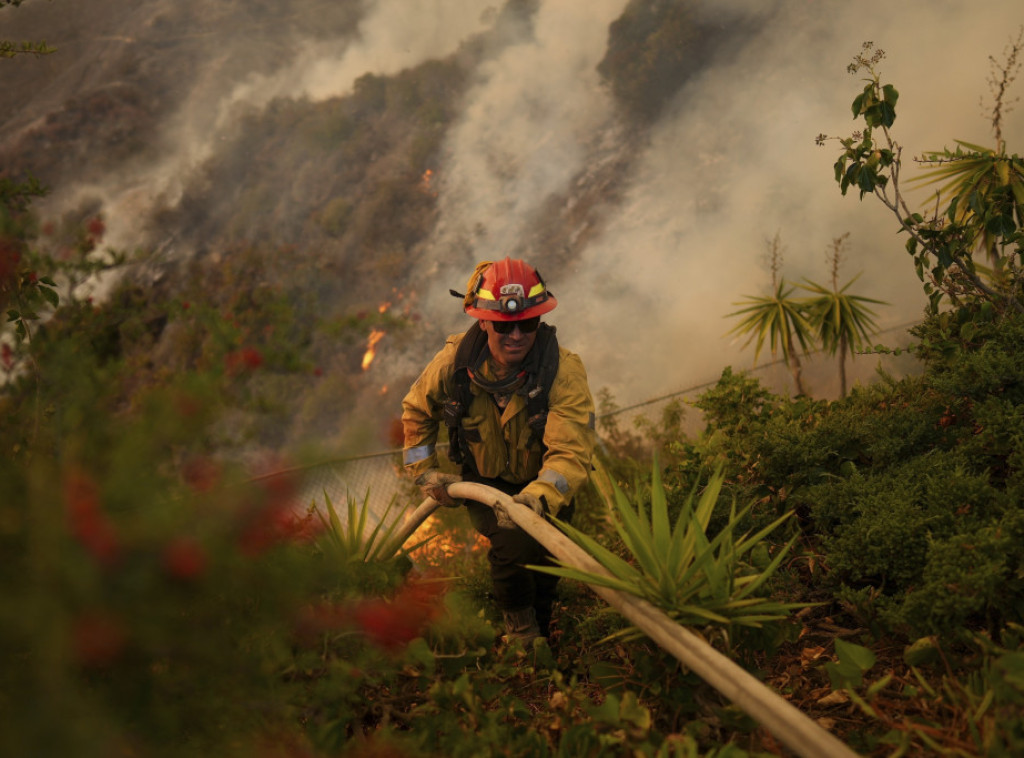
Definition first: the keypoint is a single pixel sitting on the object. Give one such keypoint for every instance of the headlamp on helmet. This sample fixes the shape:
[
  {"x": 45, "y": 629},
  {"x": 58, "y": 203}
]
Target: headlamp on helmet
[{"x": 507, "y": 290}]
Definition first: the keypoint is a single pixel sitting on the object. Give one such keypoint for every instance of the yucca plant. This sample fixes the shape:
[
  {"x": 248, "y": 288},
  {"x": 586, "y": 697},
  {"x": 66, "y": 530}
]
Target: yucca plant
[
  {"x": 843, "y": 321},
  {"x": 350, "y": 541},
  {"x": 986, "y": 187},
  {"x": 779, "y": 318},
  {"x": 695, "y": 579}
]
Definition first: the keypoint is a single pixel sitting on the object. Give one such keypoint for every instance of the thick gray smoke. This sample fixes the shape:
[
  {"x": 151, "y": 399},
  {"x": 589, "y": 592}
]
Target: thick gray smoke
[
  {"x": 731, "y": 162},
  {"x": 730, "y": 165}
]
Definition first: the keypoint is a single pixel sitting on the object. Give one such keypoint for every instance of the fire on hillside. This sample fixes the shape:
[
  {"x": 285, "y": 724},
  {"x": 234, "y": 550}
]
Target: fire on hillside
[{"x": 371, "y": 346}]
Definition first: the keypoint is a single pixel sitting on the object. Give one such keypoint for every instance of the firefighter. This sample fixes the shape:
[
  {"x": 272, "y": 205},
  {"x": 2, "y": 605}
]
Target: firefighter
[{"x": 520, "y": 418}]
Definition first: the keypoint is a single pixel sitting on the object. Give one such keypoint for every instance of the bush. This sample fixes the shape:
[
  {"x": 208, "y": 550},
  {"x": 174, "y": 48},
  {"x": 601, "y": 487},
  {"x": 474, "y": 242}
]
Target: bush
[{"x": 911, "y": 488}]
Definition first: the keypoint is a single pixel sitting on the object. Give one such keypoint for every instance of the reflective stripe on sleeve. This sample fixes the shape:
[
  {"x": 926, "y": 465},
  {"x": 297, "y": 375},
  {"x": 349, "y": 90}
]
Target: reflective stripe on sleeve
[
  {"x": 556, "y": 479},
  {"x": 417, "y": 454}
]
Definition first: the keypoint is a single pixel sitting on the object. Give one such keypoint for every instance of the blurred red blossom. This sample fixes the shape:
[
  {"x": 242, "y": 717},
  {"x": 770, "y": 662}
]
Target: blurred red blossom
[
  {"x": 389, "y": 623},
  {"x": 7, "y": 356},
  {"x": 201, "y": 473},
  {"x": 274, "y": 515},
  {"x": 97, "y": 639},
  {"x": 96, "y": 228},
  {"x": 392, "y": 624},
  {"x": 88, "y": 523},
  {"x": 247, "y": 358},
  {"x": 184, "y": 558}
]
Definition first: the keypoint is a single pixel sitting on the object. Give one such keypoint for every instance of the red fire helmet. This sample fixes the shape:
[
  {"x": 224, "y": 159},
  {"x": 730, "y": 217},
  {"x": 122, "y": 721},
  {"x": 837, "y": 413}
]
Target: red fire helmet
[{"x": 508, "y": 290}]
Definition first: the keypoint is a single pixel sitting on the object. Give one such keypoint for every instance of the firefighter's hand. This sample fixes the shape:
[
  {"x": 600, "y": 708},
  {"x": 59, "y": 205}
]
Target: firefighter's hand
[
  {"x": 434, "y": 483},
  {"x": 532, "y": 502}
]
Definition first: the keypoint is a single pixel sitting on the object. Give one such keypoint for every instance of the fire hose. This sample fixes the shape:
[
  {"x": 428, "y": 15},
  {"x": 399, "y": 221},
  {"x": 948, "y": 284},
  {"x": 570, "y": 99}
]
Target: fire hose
[{"x": 790, "y": 725}]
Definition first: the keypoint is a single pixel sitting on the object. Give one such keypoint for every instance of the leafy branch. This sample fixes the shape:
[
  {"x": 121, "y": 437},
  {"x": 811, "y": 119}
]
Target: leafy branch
[
  {"x": 10, "y": 49},
  {"x": 987, "y": 187}
]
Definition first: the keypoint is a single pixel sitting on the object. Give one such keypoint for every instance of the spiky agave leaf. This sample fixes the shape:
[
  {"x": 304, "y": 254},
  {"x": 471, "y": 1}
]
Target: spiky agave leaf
[
  {"x": 693, "y": 579},
  {"x": 351, "y": 542}
]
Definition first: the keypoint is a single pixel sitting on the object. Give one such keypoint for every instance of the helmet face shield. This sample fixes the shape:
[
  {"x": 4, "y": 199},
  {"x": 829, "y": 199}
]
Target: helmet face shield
[{"x": 508, "y": 290}]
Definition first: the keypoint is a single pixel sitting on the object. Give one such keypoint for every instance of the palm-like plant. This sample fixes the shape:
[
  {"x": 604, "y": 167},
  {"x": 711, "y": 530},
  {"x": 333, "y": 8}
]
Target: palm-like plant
[
  {"x": 695, "y": 579},
  {"x": 986, "y": 188},
  {"x": 843, "y": 322},
  {"x": 781, "y": 320}
]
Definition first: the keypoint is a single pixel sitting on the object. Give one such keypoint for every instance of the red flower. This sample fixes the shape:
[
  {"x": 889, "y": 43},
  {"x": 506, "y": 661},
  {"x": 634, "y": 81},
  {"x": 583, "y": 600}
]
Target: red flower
[
  {"x": 96, "y": 228},
  {"x": 201, "y": 473},
  {"x": 97, "y": 639},
  {"x": 7, "y": 356},
  {"x": 393, "y": 624},
  {"x": 89, "y": 524},
  {"x": 184, "y": 558},
  {"x": 245, "y": 359},
  {"x": 274, "y": 524}
]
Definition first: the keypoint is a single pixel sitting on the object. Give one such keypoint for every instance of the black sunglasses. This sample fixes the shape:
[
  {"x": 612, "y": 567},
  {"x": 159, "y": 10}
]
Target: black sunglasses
[{"x": 526, "y": 326}]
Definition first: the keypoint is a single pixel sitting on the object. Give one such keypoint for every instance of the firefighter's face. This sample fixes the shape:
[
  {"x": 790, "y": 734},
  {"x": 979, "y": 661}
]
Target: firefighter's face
[{"x": 509, "y": 350}]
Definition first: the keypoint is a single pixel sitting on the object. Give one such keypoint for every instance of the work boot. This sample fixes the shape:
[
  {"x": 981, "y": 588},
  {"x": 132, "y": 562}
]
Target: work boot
[{"x": 521, "y": 625}]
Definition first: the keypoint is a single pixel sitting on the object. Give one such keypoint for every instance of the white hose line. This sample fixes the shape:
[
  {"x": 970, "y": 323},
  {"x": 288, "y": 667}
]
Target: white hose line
[
  {"x": 793, "y": 727},
  {"x": 410, "y": 524}
]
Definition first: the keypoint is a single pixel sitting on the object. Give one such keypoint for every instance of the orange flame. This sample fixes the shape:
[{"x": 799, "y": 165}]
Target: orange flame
[
  {"x": 445, "y": 545},
  {"x": 426, "y": 183},
  {"x": 371, "y": 347}
]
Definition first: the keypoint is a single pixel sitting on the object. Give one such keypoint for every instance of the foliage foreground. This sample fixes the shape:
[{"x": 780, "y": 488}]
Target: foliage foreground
[{"x": 160, "y": 600}]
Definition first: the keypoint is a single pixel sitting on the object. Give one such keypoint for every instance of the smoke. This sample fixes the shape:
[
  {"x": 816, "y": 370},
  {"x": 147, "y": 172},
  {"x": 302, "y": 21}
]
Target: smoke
[
  {"x": 521, "y": 137},
  {"x": 730, "y": 163},
  {"x": 391, "y": 35},
  {"x": 729, "y": 166}
]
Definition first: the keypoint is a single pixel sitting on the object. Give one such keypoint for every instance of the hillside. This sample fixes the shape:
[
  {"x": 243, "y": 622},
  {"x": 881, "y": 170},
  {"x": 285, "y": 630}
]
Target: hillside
[{"x": 167, "y": 136}]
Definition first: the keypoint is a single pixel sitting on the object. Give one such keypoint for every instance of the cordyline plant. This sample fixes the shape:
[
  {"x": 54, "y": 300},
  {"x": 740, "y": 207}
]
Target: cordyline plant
[
  {"x": 695, "y": 579},
  {"x": 843, "y": 321}
]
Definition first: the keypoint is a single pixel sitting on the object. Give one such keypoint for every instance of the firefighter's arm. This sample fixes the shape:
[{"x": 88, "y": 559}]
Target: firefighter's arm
[
  {"x": 423, "y": 412},
  {"x": 569, "y": 436}
]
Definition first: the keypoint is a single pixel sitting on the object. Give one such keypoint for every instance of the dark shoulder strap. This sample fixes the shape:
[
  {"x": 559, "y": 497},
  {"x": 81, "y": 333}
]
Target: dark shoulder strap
[
  {"x": 542, "y": 376},
  {"x": 466, "y": 355}
]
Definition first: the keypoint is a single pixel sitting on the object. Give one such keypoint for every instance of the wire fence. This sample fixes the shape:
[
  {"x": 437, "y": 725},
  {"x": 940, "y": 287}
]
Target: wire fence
[{"x": 375, "y": 481}]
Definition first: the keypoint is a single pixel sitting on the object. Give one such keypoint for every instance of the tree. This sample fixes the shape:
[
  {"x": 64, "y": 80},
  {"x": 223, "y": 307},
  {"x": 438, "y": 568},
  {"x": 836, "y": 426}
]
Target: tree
[
  {"x": 779, "y": 318},
  {"x": 987, "y": 188},
  {"x": 843, "y": 321}
]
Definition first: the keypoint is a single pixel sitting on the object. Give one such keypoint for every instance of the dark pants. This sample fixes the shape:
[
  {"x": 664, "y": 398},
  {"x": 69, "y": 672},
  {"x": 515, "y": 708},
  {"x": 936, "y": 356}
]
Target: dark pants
[{"x": 515, "y": 586}]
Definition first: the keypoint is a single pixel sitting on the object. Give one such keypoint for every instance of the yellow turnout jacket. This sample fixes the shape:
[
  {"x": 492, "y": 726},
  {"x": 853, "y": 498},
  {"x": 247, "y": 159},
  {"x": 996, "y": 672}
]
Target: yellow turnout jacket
[{"x": 504, "y": 450}]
